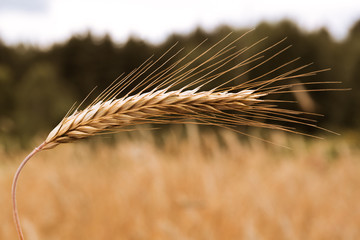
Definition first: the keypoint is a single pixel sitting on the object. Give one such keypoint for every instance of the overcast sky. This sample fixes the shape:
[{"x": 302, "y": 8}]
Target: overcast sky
[{"x": 46, "y": 21}]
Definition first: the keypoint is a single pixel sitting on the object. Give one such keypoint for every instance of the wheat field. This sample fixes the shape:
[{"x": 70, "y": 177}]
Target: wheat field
[{"x": 187, "y": 185}]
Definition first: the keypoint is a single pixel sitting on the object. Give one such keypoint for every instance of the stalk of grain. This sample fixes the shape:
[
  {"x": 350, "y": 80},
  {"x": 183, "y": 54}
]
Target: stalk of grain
[{"x": 163, "y": 94}]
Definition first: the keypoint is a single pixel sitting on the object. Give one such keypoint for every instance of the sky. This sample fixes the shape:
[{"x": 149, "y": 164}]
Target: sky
[{"x": 43, "y": 22}]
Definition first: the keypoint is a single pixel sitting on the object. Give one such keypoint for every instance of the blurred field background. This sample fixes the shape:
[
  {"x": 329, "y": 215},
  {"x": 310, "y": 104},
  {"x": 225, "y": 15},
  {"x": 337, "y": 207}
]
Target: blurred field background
[
  {"x": 181, "y": 182},
  {"x": 187, "y": 184},
  {"x": 38, "y": 86}
]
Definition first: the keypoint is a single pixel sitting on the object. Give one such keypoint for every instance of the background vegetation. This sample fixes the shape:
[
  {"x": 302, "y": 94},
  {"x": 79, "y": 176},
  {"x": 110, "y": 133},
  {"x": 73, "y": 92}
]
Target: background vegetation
[
  {"x": 38, "y": 86},
  {"x": 198, "y": 186}
]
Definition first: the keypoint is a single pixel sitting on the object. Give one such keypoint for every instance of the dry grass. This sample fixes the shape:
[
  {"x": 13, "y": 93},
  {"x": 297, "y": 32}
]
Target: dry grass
[{"x": 188, "y": 188}]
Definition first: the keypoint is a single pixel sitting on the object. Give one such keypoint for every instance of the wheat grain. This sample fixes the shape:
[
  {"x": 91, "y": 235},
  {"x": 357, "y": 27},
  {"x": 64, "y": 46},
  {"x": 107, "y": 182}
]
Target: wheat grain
[{"x": 198, "y": 88}]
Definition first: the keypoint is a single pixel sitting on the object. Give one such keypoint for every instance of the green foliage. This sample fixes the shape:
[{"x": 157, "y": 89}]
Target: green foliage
[
  {"x": 41, "y": 100},
  {"x": 38, "y": 86}
]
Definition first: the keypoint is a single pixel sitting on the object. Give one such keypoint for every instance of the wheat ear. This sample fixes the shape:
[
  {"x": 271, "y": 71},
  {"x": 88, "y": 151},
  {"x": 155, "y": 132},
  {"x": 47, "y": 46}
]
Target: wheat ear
[{"x": 198, "y": 88}]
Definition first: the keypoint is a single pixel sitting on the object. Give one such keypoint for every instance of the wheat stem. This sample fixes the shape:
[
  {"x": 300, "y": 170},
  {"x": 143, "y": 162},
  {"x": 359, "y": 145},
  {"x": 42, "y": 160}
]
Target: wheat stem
[{"x": 13, "y": 189}]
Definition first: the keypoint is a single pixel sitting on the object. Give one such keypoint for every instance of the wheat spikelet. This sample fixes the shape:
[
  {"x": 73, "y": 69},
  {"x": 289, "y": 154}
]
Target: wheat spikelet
[
  {"x": 134, "y": 110},
  {"x": 196, "y": 88}
]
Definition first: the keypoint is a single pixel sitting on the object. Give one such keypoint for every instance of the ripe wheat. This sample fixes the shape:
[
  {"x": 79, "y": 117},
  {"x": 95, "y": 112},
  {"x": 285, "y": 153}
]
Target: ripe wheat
[{"x": 200, "y": 87}]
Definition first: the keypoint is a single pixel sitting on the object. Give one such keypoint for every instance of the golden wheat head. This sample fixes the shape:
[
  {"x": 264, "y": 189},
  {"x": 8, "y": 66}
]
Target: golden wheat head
[{"x": 203, "y": 86}]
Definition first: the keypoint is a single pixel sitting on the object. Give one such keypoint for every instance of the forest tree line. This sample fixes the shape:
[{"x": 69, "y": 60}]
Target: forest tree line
[{"x": 38, "y": 86}]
